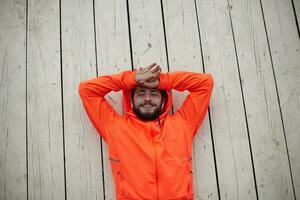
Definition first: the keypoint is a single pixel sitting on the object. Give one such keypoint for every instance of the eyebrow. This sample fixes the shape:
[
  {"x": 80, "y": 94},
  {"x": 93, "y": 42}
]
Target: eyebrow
[{"x": 143, "y": 90}]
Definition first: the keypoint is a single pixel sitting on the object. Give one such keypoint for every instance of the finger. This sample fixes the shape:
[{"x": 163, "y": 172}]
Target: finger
[
  {"x": 155, "y": 69},
  {"x": 152, "y": 84},
  {"x": 143, "y": 69},
  {"x": 142, "y": 83},
  {"x": 146, "y": 84},
  {"x": 159, "y": 67},
  {"x": 151, "y": 66},
  {"x": 153, "y": 78},
  {"x": 156, "y": 72}
]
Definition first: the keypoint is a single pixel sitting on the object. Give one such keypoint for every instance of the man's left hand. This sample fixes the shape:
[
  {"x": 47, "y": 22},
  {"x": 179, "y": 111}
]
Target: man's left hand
[{"x": 149, "y": 76}]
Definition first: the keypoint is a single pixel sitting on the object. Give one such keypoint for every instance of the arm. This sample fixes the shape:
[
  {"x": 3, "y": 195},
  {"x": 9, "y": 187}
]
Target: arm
[
  {"x": 92, "y": 93},
  {"x": 195, "y": 106}
]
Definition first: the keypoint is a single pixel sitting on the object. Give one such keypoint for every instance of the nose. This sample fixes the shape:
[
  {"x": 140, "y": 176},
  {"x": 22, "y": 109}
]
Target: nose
[{"x": 147, "y": 97}]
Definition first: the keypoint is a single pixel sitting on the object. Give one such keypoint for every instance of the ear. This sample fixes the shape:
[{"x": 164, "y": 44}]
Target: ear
[
  {"x": 131, "y": 103},
  {"x": 163, "y": 103}
]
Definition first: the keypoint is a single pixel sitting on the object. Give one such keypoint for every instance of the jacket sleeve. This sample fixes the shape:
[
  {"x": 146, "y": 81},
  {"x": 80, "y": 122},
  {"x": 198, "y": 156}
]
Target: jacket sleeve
[
  {"x": 195, "y": 106},
  {"x": 92, "y": 93}
]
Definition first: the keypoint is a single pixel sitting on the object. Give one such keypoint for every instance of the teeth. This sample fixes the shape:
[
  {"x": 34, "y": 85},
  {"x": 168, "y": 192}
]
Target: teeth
[{"x": 147, "y": 106}]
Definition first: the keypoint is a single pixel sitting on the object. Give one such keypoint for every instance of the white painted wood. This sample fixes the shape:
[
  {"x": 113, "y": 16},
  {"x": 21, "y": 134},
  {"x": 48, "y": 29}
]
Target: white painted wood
[
  {"x": 113, "y": 54},
  {"x": 13, "y": 100},
  {"x": 82, "y": 142},
  {"x": 148, "y": 44},
  {"x": 45, "y": 133},
  {"x": 263, "y": 114},
  {"x": 297, "y": 10},
  {"x": 234, "y": 166},
  {"x": 185, "y": 55},
  {"x": 285, "y": 50}
]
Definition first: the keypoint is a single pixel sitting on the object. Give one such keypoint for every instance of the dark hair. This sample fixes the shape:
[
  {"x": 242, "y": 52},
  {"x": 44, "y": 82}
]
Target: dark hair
[
  {"x": 164, "y": 99},
  {"x": 163, "y": 94}
]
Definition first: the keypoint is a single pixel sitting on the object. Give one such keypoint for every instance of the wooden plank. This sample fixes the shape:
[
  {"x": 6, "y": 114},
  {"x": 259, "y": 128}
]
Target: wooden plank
[
  {"x": 263, "y": 114},
  {"x": 235, "y": 174},
  {"x": 185, "y": 54},
  {"x": 285, "y": 51},
  {"x": 45, "y": 133},
  {"x": 297, "y": 12},
  {"x": 148, "y": 44},
  {"x": 83, "y": 160},
  {"x": 113, "y": 55},
  {"x": 13, "y": 100}
]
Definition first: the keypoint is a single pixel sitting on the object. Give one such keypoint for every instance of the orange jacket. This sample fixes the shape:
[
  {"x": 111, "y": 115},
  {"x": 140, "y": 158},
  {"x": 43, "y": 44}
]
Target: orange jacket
[{"x": 149, "y": 160}]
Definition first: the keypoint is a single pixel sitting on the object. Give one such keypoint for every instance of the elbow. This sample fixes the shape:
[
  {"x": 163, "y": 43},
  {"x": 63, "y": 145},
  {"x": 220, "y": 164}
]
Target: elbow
[
  {"x": 81, "y": 89},
  {"x": 209, "y": 81}
]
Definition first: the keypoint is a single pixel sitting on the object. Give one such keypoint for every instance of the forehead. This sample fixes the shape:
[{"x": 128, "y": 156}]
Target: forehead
[{"x": 144, "y": 89}]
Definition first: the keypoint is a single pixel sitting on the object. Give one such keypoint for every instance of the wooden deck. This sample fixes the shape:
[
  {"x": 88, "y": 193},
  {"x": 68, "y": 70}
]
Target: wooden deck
[{"x": 249, "y": 144}]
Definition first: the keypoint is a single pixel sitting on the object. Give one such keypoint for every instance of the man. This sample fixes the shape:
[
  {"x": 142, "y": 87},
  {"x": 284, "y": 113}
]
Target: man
[{"x": 149, "y": 149}]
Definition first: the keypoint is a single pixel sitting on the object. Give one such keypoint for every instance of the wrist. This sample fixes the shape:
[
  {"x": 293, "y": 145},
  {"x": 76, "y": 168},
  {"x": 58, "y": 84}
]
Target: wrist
[
  {"x": 130, "y": 79},
  {"x": 138, "y": 79},
  {"x": 163, "y": 81}
]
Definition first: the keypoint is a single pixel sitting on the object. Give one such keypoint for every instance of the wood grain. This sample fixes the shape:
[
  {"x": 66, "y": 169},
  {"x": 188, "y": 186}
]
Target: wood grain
[
  {"x": 13, "y": 171},
  {"x": 82, "y": 142},
  {"x": 113, "y": 54},
  {"x": 262, "y": 108},
  {"x": 285, "y": 53},
  {"x": 229, "y": 129},
  {"x": 184, "y": 52},
  {"x": 45, "y": 132}
]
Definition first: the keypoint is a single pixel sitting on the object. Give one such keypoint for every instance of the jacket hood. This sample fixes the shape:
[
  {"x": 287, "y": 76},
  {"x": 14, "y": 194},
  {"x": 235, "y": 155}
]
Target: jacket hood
[{"x": 127, "y": 104}]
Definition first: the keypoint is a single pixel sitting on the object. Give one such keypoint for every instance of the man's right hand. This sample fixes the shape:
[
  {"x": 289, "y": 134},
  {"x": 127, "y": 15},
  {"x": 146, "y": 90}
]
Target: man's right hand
[{"x": 148, "y": 76}]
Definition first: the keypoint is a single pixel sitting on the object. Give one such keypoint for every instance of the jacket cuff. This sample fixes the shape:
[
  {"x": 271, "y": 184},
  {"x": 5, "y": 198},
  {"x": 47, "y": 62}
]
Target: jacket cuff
[
  {"x": 129, "y": 79},
  {"x": 164, "y": 82}
]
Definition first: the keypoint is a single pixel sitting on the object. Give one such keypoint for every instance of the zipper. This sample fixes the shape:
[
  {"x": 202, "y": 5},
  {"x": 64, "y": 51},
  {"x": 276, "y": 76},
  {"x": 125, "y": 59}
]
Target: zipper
[
  {"x": 156, "y": 171},
  {"x": 113, "y": 159}
]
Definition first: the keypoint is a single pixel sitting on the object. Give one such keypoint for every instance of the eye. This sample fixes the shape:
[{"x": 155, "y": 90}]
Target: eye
[
  {"x": 141, "y": 93},
  {"x": 154, "y": 93}
]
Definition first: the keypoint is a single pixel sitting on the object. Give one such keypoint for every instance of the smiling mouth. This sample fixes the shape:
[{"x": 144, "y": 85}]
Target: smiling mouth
[{"x": 147, "y": 106}]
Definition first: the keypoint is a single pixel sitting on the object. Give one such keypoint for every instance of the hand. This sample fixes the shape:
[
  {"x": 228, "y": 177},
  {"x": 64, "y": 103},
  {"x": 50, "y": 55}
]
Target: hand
[{"x": 148, "y": 76}]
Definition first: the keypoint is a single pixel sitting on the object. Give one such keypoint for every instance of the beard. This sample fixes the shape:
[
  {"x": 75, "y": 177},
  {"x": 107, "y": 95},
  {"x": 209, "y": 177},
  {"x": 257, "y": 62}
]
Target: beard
[{"x": 146, "y": 116}]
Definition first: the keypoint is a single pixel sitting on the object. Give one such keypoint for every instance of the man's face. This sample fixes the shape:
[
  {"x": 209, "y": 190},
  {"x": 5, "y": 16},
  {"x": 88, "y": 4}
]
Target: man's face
[{"x": 147, "y": 103}]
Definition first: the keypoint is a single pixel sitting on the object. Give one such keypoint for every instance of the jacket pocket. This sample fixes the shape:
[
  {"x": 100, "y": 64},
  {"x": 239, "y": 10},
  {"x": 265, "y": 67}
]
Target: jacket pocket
[
  {"x": 116, "y": 166},
  {"x": 190, "y": 176},
  {"x": 190, "y": 165}
]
